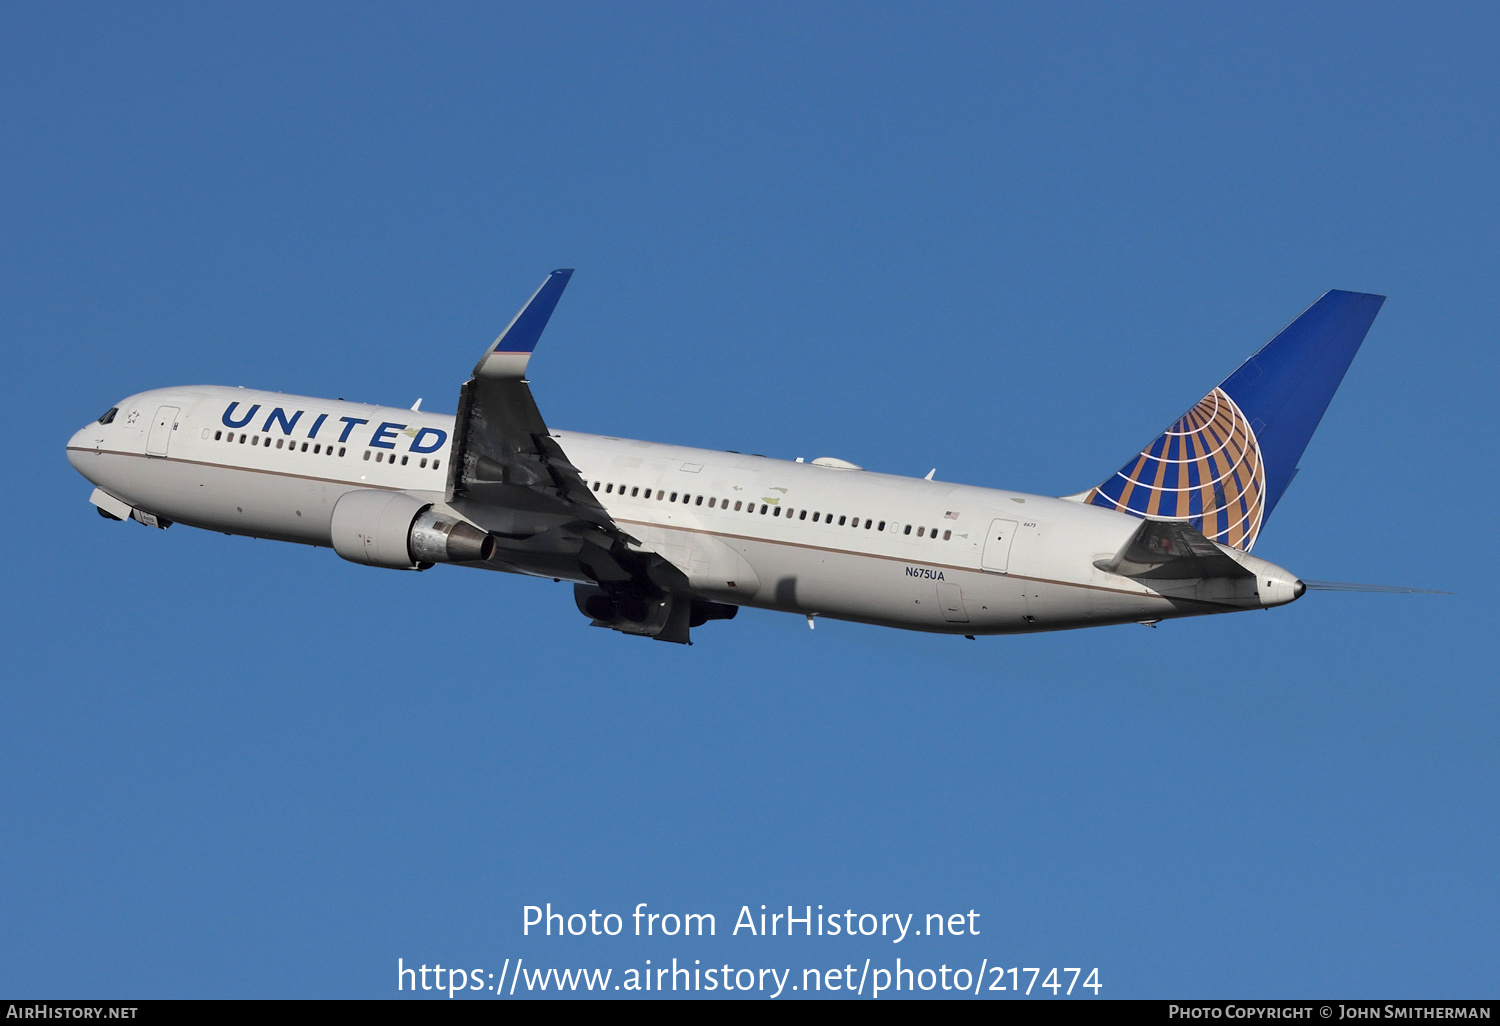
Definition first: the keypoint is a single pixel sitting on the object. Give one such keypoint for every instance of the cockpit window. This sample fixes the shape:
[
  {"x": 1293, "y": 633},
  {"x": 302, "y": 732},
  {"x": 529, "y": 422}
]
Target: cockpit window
[{"x": 110, "y": 416}]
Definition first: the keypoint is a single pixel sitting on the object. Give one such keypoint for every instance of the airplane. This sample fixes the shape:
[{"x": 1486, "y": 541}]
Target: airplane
[{"x": 660, "y": 539}]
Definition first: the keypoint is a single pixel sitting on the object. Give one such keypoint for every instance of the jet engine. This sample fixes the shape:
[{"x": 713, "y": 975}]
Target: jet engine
[
  {"x": 401, "y": 532},
  {"x": 628, "y": 608}
]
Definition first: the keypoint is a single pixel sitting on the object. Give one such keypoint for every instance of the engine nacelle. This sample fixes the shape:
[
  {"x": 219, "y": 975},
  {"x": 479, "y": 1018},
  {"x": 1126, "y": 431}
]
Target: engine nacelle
[
  {"x": 401, "y": 532},
  {"x": 662, "y": 616}
]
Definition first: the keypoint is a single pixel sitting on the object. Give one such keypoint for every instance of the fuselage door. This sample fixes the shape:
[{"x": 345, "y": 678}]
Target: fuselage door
[
  {"x": 161, "y": 430},
  {"x": 997, "y": 545}
]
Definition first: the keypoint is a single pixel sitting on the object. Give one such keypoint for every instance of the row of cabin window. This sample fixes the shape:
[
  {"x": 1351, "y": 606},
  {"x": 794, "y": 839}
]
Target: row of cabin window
[
  {"x": 317, "y": 448},
  {"x": 391, "y": 458},
  {"x": 687, "y": 499},
  {"x": 291, "y": 443}
]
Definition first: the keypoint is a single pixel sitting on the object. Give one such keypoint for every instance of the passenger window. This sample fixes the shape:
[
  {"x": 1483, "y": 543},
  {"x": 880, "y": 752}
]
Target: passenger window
[
  {"x": 217, "y": 434},
  {"x": 255, "y": 439},
  {"x": 737, "y": 506},
  {"x": 868, "y": 523},
  {"x": 435, "y": 464},
  {"x": 947, "y": 535},
  {"x": 304, "y": 446},
  {"x": 367, "y": 453},
  {"x": 815, "y": 516},
  {"x": 423, "y": 463},
  {"x": 699, "y": 502},
  {"x": 596, "y": 486},
  {"x": 711, "y": 502},
  {"x": 609, "y": 488},
  {"x": 635, "y": 491},
  {"x": 841, "y": 521},
  {"x": 330, "y": 450},
  {"x": 763, "y": 508},
  {"x": 776, "y": 512},
  {"x": 907, "y": 530},
  {"x": 802, "y": 514},
  {"x": 242, "y": 439},
  {"x": 881, "y": 526},
  {"x": 404, "y": 459}
]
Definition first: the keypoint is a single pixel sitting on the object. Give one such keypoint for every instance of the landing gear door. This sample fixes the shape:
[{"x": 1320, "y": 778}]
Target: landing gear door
[
  {"x": 997, "y": 546},
  {"x": 162, "y": 427}
]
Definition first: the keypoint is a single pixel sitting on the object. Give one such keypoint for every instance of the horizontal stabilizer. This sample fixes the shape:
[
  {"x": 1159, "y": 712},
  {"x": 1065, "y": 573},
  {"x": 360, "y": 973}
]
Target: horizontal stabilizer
[{"x": 1163, "y": 550}]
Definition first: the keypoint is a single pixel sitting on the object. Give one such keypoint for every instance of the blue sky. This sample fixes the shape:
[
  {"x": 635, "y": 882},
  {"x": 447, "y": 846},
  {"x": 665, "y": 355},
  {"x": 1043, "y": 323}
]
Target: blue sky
[{"x": 1011, "y": 242}]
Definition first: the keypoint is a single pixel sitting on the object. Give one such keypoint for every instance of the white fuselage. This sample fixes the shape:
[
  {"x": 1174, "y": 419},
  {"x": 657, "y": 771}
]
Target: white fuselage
[{"x": 748, "y": 530}]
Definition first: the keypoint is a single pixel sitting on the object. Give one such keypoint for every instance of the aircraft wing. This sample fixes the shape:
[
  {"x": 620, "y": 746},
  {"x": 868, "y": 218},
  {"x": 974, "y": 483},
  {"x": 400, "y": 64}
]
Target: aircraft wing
[
  {"x": 508, "y": 474},
  {"x": 506, "y": 467}
]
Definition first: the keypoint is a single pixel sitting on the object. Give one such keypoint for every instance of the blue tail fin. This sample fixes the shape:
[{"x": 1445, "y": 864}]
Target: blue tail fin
[{"x": 1226, "y": 462}]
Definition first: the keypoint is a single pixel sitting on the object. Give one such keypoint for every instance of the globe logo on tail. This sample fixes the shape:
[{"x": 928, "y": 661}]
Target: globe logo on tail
[{"x": 1206, "y": 470}]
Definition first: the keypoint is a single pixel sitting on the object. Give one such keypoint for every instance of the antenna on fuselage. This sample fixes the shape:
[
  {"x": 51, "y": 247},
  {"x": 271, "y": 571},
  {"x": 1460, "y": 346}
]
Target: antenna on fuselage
[
  {"x": 416, "y": 406},
  {"x": 929, "y": 474}
]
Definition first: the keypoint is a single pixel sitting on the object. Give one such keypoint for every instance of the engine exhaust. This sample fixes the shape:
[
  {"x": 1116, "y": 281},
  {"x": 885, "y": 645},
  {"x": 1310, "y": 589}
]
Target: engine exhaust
[{"x": 438, "y": 538}]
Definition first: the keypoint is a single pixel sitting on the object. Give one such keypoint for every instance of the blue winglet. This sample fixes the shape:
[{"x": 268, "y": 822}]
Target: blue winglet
[
  {"x": 521, "y": 335},
  {"x": 507, "y": 358},
  {"x": 1224, "y": 465}
]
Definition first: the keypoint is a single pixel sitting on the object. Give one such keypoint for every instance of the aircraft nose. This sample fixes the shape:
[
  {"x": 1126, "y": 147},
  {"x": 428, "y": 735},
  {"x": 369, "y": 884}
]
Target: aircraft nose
[{"x": 81, "y": 441}]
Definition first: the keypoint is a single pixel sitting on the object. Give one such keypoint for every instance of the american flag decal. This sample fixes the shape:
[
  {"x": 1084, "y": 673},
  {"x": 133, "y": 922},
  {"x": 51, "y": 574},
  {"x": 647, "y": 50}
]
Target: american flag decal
[{"x": 950, "y": 515}]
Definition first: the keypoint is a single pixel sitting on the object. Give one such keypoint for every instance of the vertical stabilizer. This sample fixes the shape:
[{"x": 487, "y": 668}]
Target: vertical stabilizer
[{"x": 1224, "y": 465}]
